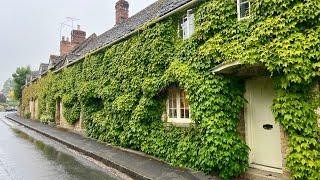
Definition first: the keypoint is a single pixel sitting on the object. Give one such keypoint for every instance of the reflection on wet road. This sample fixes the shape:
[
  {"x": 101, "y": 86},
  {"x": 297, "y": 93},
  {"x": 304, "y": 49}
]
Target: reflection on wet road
[{"x": 23, "y": 157}]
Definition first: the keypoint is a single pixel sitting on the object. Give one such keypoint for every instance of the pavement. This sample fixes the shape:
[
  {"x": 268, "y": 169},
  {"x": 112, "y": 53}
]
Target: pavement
[{"x": 135, "y": 164}]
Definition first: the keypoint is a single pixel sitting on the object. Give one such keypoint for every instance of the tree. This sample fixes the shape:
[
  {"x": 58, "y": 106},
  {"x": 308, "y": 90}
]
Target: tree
[
  {"x": 19, "y": 79},
  {"x": 7, "y": 87}
]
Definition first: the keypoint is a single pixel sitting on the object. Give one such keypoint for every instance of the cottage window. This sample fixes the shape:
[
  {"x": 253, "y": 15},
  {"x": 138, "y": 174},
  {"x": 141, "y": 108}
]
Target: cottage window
[
  {"x": 187, "y": 25},
  {"x": 243, "y": 7},
  {"x": 178, "y": 106}
]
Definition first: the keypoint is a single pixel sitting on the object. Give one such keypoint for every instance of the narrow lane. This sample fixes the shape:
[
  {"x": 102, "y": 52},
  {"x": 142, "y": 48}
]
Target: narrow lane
[{"x": 23, "y": 157}]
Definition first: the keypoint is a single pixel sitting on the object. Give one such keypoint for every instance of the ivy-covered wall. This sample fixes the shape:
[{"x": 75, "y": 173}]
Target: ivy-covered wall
[{"x": 122, "y": 89}]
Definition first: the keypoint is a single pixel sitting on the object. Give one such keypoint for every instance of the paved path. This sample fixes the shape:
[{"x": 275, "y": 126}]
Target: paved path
[
  {"x": 25, "y": 158},
  {"x": 136, "y": 165}
]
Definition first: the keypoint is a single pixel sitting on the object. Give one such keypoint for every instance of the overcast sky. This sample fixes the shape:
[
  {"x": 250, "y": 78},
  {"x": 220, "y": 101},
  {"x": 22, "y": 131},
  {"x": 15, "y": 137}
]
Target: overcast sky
[{"x": 30, "y": 30}]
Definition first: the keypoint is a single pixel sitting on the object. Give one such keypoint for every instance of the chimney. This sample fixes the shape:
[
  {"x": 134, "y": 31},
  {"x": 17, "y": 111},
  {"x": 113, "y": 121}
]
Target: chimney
[
  {"x": 122, "y": 11},
  {"x": 77, "y": 36},
  {"x": 65, "y": 46}
]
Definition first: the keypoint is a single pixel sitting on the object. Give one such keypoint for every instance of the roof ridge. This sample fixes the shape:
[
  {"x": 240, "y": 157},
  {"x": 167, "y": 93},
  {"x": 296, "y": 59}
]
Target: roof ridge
[
  {"x": 151, "y": 12},
  {"x": 86, "y": 41}
]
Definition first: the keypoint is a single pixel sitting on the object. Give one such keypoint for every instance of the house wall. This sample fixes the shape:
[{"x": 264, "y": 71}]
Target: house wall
[
  {"x": 36, "y": 109},
  {"x": 32, "y": 109},
  {"x": 241, "y": 126},
  {"x": 284, "y": 152},
  {"x": 202, "y": 30},
  {"x": 58, "y": 113},
  {"x": 63, "y": 123}
]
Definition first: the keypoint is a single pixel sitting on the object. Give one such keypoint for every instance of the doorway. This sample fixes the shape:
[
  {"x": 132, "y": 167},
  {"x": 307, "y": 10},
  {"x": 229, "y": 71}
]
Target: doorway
[{"x": 262, "y": 132}]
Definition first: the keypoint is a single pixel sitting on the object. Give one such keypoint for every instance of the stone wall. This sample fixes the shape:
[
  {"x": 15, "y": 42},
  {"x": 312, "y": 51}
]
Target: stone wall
[
  {"x": 32, "y": 109},
  {"x": 36, "y": 110},
  {"x": 284, "y": 152},
  {"x": 62, "y": 122},
  {"x": 241, "y": 126}
]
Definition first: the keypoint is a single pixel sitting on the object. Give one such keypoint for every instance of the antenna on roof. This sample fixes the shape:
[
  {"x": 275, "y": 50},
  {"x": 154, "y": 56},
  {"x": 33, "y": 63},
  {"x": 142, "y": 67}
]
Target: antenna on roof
[
  {"x": 72, "y": 20},
  {"x": 68, "y": 23}
]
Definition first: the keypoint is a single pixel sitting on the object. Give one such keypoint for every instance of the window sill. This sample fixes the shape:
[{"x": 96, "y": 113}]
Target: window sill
[
  {"x": 178, "y": 124},
  {"x": 243, "y": 18}
]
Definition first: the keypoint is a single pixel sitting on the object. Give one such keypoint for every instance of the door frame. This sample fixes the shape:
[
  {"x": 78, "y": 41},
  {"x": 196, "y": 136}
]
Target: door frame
[{"x": 249, "y": 134}]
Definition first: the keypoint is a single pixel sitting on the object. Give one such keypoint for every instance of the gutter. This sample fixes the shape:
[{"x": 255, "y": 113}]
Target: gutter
[{"x": 147, "y": 24}]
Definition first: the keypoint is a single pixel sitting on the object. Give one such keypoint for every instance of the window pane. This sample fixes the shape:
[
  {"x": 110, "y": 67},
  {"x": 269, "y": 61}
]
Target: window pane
[
  {"x": 182, "y": 113},
  {"x": 244, "y": 9},
  {"x": 182, "y": 99},
  {"x": 174, "y": 113},
  {"x": 182, "y": 105},
  {"x": 172, "y": 103},
  {"x": 187, "y": 113},
  {"x": 186, "y": 103},
  {"x": 191, "y": 24}
]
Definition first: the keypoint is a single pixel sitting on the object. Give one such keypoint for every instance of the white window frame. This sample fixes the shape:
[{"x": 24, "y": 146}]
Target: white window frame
[
  {"x": 239, "y": 3},
  {"x": 178, "y": 120},
  {"x": 188, "y": 25}
]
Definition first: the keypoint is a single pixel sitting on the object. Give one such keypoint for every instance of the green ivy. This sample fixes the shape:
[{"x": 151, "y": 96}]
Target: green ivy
[{"x": 122, "y": 89}]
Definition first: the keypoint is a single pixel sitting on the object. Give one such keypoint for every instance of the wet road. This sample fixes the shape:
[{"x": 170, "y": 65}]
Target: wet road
[{"x": 23, "y": 157}]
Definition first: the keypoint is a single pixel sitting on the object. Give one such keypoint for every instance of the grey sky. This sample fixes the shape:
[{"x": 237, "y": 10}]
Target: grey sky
[{"x": 30, "y": 30}]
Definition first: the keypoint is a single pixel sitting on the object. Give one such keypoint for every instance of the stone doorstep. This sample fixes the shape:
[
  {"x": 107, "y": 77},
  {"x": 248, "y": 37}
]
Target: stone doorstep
[{"x": 257, "y": 174}]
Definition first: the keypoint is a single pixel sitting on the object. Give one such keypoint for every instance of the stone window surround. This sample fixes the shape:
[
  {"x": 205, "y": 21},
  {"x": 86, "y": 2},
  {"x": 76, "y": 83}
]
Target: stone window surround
[
  {"x": 239, "y": 9},
  {"x": 178, "y": 120},
  {"x": 187, "y": 25}
]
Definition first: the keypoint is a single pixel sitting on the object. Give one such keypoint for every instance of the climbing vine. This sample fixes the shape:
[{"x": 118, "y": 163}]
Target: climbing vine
[{"x": 122, "y": 89}]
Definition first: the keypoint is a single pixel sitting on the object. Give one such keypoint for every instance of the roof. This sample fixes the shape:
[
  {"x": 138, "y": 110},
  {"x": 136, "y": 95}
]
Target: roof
[
  {"x": 94, "y": 42},
  {"x": 53, "y": 60},
  {"x": 82, "y": 48},
  {"x": 157, "y": 9},
  {"x": 34, "y": 75},
  {"x": 43, "y": 67}
]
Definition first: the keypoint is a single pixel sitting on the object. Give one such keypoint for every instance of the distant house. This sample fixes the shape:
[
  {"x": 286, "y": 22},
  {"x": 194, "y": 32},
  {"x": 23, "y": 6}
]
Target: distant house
[{"x": 3, "y": 98}]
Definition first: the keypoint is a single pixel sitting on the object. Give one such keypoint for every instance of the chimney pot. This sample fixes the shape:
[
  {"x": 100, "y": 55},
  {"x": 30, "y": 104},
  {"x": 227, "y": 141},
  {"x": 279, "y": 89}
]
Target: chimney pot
[
  {"x": 78, "y": 27},
  {"x": 63, "y": 38}
]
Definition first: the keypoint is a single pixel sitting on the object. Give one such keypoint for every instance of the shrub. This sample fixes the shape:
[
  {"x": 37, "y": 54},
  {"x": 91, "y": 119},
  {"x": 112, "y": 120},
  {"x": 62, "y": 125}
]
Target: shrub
[
  {"x": 27, "y": 115},
  {"x": 46, "y": 119}
]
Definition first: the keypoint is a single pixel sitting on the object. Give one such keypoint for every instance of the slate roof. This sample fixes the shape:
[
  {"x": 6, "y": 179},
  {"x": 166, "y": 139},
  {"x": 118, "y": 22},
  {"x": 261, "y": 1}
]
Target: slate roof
[
  {"x": 43, "y": 68},
  {"x": 157, "y": 9},
  {"x": 82, "y": 48},
  {"x": 53, "y": 60},
  {"x": 34, "y": 75}
]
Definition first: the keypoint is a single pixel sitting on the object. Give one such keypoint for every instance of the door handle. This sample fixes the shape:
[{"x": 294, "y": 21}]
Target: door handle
[{"x": 267, "y": 126}]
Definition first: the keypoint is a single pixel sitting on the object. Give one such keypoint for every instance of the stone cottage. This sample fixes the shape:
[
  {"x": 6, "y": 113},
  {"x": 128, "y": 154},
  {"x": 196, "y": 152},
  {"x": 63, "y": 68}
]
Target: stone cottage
[{"x": 225, "y": 87}]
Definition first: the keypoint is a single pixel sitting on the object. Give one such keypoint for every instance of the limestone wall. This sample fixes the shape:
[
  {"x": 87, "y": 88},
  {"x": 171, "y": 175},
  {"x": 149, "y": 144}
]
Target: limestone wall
[{"x": 62, "y": 122}]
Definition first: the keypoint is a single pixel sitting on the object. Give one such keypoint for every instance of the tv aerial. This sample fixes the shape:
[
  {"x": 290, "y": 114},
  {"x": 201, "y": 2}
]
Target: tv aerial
[{"x": 69, "y": 23}]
